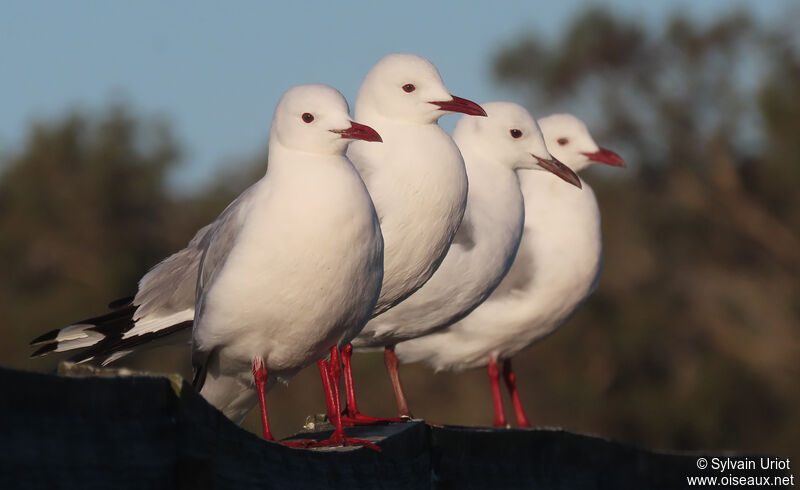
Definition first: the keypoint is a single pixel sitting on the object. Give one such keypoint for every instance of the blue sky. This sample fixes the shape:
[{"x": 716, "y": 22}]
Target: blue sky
[{"x": 215, "y": 70}]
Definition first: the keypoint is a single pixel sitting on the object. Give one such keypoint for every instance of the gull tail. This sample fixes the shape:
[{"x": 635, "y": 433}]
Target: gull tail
[
  {"x": 114, "y": 335},
  {"x": 87, "y": 333}
]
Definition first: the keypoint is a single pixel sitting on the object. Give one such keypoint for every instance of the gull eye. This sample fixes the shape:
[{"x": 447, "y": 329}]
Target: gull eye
[
  {"x": 516, "y": 133},
  {"x": 563, "y": 141},
  {"x": 308, "y": 117},
  {"x": 409, "y": 87}
]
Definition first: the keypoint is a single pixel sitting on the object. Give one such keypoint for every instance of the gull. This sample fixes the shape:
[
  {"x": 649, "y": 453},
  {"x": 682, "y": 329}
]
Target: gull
[
  {"x": 295, "y": 268},
  {"x": 494, "y": 148},
  {"x": 418, "y": 185},
  {"x": 290, "y": 269},
  {"x": 556, "y": 269},
  {"x": 416, "y": 178}
]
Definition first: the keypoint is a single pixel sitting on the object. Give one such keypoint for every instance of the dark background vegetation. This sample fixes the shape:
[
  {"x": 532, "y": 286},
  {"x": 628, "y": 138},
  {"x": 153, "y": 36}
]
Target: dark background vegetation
[{"x": 692, "y": 338}]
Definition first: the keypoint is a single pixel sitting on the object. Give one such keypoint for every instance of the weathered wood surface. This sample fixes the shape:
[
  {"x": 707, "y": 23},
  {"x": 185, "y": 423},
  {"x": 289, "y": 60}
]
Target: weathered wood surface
[{"x": 146, "y": 432}]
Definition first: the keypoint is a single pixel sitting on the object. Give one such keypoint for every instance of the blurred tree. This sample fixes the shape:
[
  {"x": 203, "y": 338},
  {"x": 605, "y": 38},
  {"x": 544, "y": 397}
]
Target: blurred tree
[
  {"x": 84, "y": 210},
  {"x": 692, "y": 337}
]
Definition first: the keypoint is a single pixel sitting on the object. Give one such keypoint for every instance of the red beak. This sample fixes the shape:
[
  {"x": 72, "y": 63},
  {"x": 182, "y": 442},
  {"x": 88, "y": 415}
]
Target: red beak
[
  {"x": 461, "y": 105},
  {"x": 359, "y": 132},
  {"x": 562, "y": 171},
  {"x": 606, "y": 156}
]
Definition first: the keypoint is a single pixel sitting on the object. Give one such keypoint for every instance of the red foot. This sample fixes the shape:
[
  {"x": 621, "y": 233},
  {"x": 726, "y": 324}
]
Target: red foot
[
  {"x": 336, "y": 440},
  {"x": 361, "y": 419}
]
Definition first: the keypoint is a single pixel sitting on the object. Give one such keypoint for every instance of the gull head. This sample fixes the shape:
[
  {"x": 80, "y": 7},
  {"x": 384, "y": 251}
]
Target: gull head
[
  {"x": 568, "y": 140},
  {"x": 316, "y": 119},
  {"x": 510, "y": 136},
  {"x": 408, "y": 88}
]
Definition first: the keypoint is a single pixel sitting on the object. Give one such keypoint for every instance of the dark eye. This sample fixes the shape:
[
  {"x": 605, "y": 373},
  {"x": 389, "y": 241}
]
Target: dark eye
[
  {"x": 308, "y": 117},
  {"x": 563, "y": 141},
  {"x": 409, "y": 88},
  {"x": 516, "y": 133}
]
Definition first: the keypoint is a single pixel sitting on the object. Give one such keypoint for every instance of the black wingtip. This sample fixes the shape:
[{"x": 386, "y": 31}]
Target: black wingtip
[
  {"x": 46, "y": 337},
  {"x": 198, "y": 378},
  {"x": 200, "y": 362},
  {"x": 44, "y": 350}
]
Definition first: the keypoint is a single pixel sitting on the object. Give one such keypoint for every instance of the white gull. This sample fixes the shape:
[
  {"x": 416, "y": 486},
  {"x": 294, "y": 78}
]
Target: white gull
[
  {"x": 557, "y": 267},
  {"x": 416, "y": 177},
  {"x": 484, "y": 247},
  {"x": 288, "y": 271}
]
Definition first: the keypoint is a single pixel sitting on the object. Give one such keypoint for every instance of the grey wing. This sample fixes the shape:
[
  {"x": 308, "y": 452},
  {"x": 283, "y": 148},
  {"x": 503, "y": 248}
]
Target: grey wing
[
  {"x": 216, "y": 245},
  {"x": 218, "y": 242},
  {"x": 169, "y": 287}
]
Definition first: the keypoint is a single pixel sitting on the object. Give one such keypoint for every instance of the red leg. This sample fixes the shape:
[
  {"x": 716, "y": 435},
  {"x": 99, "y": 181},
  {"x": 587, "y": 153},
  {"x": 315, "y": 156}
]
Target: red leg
[
  {"x": 338, "y": 438},
  {"x": 353, "y": 416},
  {"x": 260, "y": 376},
  {"x": 494, "y": 379},
  {"x": 325, "y": 375},
  {"x": 391, "y": 361},
  {"x": 335, "y": 370},
  {"x": 511, "y": 384},
  {"x": 352, "y": 405}
]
